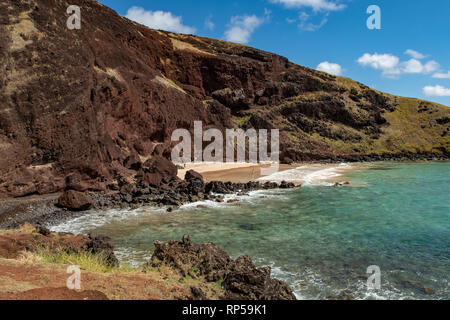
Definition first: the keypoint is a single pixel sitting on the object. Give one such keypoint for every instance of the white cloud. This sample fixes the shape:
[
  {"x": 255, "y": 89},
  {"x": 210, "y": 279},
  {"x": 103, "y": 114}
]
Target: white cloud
[
  {"x": 415, "y": 66},
  {"x": 388, "y": 63},
  {"x": 431, "y": 66},
  {"x": 305, "y": 24},
  {"x": 241, "y": 28},
  {"x": 436, "y": 91},
  {"x": 331, "y": 68},
  {"x": 303, "y": 16},
  {"x": 414, "y": 54},
  {"x": 391, "y": 65},
  {"x": 439, "y": 75},
  {"x": 309, "y": 26},
  {"x": 209, "y": 24},
  {"x": 316, "y": 5},
  {"x": 158, "y": 20}
]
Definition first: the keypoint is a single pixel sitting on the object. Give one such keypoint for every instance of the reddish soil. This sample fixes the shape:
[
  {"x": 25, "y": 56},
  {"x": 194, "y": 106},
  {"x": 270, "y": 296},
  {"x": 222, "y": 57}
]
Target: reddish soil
[
  {"x": 36, "y": 281},
  {"x": 56, "y": 294}
]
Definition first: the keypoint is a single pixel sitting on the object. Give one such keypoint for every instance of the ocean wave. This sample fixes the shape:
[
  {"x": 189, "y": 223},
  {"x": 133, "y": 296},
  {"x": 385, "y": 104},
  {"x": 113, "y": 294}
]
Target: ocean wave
[
  {"x": 310, "y": 175},
  {"x": 252, "y": 197},
  {"x": 96, "y": 219},
  {"x": 308, "y": 284},
  {"x": 133, "y": 257}
]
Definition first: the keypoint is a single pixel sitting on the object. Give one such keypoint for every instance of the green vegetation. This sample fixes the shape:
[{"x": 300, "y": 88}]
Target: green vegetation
[
  {"x": 402, "y": 133},
  {"x": 86, "y": 260},
  {"x": 219, "y": 283},
  {"x": 241, "y": 123}
]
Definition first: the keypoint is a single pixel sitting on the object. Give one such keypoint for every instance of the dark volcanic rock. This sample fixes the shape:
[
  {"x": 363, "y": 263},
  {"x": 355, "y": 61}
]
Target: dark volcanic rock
[
  {"x": 74, "y": 182},
  {"x": 198, "y": 294},
  {"x": 247, "y": 282},
  {"x": 190, "y": 258},
  {"x": 132, "y": 163},
  {"x": 102, "y": 246},
  {"x": 192, "y": 175},
  {"x": 241, "y": 279},
  {"x": 74, "y": 200},
  {"x": 287, "y": 185},
  {"x": 217, "y": 187},
  {"x": 157, "y": 171},
  {"x": 128, "y": 188}
]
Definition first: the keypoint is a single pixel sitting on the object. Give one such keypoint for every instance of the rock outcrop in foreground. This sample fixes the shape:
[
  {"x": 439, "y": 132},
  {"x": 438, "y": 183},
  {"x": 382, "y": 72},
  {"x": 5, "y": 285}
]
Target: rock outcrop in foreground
[
  {"x": 240, "y": 278},
  {"x": 177, "y": 270},
  {"x": 91, "y": 109}
]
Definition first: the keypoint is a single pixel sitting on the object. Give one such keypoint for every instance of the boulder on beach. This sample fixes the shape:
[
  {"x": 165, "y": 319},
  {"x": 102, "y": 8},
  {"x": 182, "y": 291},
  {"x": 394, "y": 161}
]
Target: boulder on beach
[
  {"x": 157, "y": 171},
  {"x": 192, "y": 175},
  {"x": 75, "y": 201}
]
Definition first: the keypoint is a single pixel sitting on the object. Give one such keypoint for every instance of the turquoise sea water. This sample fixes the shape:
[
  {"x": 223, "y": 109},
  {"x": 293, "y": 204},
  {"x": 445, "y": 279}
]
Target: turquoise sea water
[{"x": 320, "y": 239}]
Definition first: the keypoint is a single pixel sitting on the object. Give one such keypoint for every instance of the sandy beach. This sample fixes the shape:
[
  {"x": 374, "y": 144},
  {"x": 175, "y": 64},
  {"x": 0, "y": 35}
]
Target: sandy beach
[
  {"x": 298, "y": 173},
  {"x": 238, "y": 172}
]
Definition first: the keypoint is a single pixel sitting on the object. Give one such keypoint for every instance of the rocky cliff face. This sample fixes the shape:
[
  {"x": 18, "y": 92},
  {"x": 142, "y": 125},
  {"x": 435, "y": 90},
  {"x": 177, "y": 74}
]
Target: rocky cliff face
[{"x": 101, "y": 101}]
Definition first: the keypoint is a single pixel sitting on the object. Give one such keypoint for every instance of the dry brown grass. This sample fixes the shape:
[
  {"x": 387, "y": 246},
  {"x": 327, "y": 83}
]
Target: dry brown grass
[{"x": 24, "y": 229}]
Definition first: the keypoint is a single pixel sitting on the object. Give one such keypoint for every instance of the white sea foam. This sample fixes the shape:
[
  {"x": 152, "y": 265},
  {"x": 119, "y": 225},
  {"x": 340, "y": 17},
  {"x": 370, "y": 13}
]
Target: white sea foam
[
  {"x": 306, "y": 281},
  {"x": 132, "y": 257},
  {"x": 252, "y": 197},
  {"x": 95, "y": 219},
  {"x": 310, "y": 175}
]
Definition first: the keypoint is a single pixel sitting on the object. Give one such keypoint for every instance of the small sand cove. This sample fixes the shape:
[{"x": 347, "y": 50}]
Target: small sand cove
[{"x": 298, "y": 173}]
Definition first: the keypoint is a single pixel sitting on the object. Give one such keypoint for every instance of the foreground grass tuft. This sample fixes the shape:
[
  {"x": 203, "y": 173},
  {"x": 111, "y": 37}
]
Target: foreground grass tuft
[{"x": 86, "y": 260}]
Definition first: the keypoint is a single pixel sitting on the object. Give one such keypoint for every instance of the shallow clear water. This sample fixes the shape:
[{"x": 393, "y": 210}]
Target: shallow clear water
[{"x": 320, "y": 239}]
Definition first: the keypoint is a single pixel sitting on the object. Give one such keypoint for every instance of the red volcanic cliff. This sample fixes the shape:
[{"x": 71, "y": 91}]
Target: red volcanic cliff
[{"x": 102, "y": 101}]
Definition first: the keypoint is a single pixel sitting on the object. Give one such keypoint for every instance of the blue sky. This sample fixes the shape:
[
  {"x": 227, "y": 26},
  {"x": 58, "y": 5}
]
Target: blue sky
[{"x": 408, "y": 56}]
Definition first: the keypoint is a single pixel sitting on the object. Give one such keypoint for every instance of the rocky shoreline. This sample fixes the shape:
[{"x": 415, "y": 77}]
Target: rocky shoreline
[
  {"x": 157, "y": 186},
  {"x": 48, "y": 211}
]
